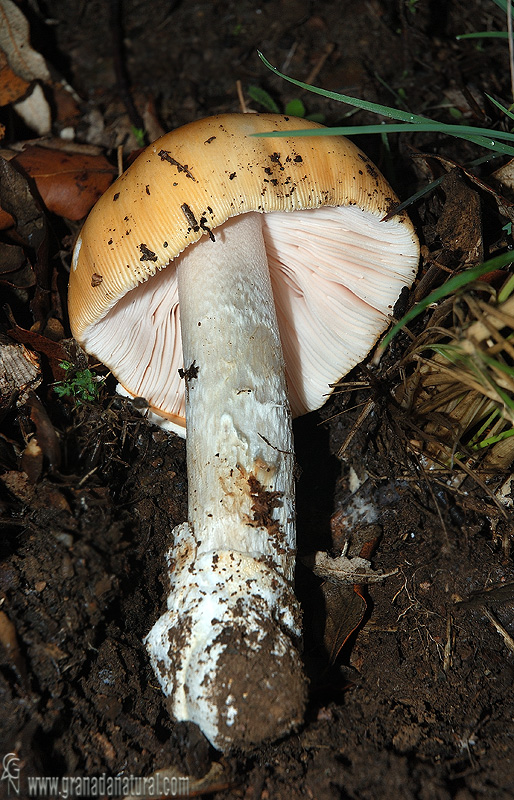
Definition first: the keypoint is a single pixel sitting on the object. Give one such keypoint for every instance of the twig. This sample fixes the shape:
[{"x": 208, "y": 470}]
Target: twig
[
  {"x": 447, "y": 661},
  {"x": 241, "y": 97},
  {"x": 368, "y": 408},
  {"x": 507, "y": 638},
  {"x": 318, "y": 66}
]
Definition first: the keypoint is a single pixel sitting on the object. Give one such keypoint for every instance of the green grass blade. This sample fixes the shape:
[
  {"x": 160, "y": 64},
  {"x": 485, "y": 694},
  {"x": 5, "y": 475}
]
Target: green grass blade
[
  {"x": 506, "y": 398},
  {"x": 451, "y": 285},
  {"x": 488, "y": 422},
  {"x": 499, "y": 437},
  {"x": 414, "y": 197},
  {"x": 365, "y": 105},
  {"x": 502, "y": 108},
  {"x": 459, "y": 131},
  {"x": 507, "y": 290},
  {"x": 481, "y": 136},
  {"x": 498, "y": 365},
  {"x": 483, "y": 35}
]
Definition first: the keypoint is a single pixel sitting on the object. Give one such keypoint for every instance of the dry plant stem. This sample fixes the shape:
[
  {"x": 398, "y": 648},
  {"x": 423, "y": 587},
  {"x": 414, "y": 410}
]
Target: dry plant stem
[{"x": 226, "y": 650}]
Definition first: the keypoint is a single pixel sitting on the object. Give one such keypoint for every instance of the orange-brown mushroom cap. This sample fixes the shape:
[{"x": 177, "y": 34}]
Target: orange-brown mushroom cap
[{"x": 123, "y": 301}]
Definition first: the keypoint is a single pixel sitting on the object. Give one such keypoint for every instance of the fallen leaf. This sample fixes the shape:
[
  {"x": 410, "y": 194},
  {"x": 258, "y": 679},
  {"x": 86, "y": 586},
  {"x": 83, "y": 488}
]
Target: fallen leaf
[
  {"x": 69, "y": 184},
  {"x": 47, "y": 439},
  {"x": 345, "y": 610},
  {"x": 15, "y": 269},
  {"x": 458, "y": 235},
  {"x": 67, "y": 109},
  {"x": 342, "y": 570},
  {"x": 12, "y": 86},
  {"x": 345, "y": 605},
  {"x": 491, "y": 596},
  {"x": 17, "y": 199},
  {"x": 12, "y": 258},
  {"x": 22, "y": 278},
  {"x": 23, "y": 61},
  {"x": 55, "y": 351}
]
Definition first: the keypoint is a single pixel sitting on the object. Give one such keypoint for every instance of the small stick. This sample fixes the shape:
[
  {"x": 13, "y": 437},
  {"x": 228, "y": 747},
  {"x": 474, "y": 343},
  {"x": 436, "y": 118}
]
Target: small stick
[
  {"x": 447, "y": 662},
  {"x": 241, "y": 98},
  {"x": 318, "y": 66},
  {"x": 507, "y": 638}
]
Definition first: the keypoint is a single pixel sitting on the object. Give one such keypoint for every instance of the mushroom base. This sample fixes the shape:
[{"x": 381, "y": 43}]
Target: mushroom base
[{"x": 226, "y": 651}]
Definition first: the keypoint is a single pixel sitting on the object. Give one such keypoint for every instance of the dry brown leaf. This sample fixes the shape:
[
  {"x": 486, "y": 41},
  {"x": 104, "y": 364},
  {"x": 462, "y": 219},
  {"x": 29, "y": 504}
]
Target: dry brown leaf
[
  {"x": 22, "y": 278},
  {"x": 68, "y": 183},
  {"x": 17, "y": 199},
  {"x": 54, "y": 351},
  {"x": 12, "y": 258},
  {"x": 345, "y": 609},
  {"x": 24, "y": 62},
  {"x": 47, "y": 439},
  {"x": 12, "y": 87},
  {"x": 67, "y": 112}
]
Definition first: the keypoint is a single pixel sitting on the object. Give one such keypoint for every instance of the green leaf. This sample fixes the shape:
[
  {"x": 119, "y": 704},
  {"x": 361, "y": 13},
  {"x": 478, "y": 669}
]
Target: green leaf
[
  {"x": 317, "y": 117},
  {"x": 262, "y": 97},
  {"x": 295, "y": 108},
  {"x": 139, "y": 135},
  {"x": 82, "y": 385}
]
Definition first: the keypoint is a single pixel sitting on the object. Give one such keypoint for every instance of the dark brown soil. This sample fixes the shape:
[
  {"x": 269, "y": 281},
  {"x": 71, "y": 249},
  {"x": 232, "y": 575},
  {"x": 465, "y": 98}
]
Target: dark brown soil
[{"x": 417, "y": 702}]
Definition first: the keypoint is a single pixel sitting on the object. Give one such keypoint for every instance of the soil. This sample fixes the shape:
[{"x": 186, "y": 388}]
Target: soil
[{"x": 410, "y": 681}]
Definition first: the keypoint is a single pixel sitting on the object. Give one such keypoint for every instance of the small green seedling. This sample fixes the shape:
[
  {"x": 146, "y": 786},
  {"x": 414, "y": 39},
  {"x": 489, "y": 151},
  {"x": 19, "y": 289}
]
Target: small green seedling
[
  {"x": 139, "y": 135},
  {"x": 80, "y": 384},
  {"x": 294, "y": 108}
]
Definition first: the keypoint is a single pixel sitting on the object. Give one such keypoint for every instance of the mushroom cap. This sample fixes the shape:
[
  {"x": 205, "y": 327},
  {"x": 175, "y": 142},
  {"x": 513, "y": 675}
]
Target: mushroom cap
[{"x": 336, "y": 268}]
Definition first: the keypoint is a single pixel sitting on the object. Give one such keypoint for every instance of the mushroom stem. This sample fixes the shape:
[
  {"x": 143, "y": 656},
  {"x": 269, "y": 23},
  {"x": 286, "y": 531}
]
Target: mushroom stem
[{"x": 226, "y": 651}]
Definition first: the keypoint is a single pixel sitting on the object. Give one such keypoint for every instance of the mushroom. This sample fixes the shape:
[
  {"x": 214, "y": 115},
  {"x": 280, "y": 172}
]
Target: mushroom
[{"x": 231, "y": 280}]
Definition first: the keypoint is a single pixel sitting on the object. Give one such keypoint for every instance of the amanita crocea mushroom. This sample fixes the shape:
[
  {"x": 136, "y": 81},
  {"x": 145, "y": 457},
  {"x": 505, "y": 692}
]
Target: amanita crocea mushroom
[{"x": 268, "y": 258}]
